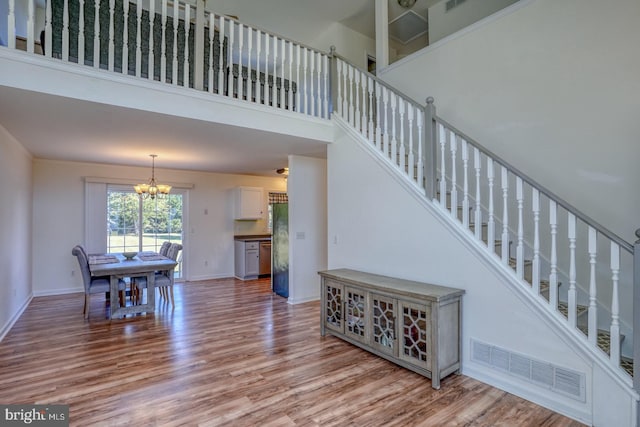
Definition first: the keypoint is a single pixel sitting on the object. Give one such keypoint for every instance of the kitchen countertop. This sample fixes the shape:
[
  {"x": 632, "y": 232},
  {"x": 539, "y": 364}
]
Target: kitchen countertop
[{"x": 253, "y": 237}]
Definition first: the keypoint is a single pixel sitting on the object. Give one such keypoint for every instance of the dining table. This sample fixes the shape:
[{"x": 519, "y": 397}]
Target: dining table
[{"x": 117, "y": 266}]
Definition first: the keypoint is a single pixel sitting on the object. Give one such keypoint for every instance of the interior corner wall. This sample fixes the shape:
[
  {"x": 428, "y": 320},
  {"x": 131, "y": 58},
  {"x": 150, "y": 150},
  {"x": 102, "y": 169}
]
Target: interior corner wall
[
  {"x": 552, "y": 87},
  {"x": 376, "y": 225},
  {"x": 15, "y": 230},
  {"x": 307, "y": 191}
]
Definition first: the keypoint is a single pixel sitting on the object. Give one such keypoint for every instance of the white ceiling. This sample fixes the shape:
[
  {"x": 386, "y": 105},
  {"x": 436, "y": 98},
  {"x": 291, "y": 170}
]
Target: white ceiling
[{"x": 52, "y": 127}]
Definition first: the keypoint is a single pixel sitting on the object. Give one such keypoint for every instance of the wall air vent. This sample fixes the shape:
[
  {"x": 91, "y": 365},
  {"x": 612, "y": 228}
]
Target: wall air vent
[
  {"x": 451, "y": 4},
  {"x": 560, "y": 380}
]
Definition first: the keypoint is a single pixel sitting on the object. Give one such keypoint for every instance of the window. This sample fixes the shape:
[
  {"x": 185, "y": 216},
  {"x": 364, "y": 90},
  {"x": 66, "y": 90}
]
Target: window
[{"x": 142, "y": 225}]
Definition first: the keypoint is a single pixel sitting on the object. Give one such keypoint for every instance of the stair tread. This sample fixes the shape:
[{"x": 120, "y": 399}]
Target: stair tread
[{"x": 563, "y": 307}]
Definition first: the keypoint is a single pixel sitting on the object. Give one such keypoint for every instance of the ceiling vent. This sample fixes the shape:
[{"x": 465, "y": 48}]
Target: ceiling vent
[{"x": 408, "y": 27}]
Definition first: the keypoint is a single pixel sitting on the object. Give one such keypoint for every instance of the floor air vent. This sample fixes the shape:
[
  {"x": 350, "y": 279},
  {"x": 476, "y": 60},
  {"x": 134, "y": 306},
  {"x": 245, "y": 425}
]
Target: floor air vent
[{"x": 564, "y": 381}]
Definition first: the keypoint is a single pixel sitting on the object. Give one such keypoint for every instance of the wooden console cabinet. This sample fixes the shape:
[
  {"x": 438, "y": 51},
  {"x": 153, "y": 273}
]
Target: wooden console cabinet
[{"x": 413, "y": 324}]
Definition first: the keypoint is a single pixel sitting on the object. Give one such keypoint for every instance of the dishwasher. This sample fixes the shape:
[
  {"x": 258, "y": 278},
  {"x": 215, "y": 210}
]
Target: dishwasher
[{"x": 265, "y": 257}]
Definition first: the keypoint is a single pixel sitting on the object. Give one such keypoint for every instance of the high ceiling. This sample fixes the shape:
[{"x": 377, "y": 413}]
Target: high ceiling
[{"x": 52, "y": 127}]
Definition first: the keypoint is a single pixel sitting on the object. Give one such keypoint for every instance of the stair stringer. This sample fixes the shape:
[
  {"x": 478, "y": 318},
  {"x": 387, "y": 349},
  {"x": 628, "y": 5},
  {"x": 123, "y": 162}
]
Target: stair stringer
[{"x": 599, "y": 362}]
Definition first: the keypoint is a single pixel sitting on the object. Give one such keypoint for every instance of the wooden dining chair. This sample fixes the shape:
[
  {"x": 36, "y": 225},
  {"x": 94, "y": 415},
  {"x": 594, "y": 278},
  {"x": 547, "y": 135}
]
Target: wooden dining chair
[
  {"x": 93, "y": 285},
  {"x": 163, "y": 279}
]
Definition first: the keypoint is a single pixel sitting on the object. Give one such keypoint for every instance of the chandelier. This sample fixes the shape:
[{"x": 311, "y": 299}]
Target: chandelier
[{"x": 151, "y": 189}]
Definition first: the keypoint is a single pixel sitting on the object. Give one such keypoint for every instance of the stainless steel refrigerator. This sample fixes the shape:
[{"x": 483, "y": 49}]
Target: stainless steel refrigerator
[{"x": 280, "y": 249}]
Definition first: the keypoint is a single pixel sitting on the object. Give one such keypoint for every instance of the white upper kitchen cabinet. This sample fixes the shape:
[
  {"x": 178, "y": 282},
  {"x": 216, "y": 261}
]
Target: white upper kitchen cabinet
[{"x": 249, "y": 203}]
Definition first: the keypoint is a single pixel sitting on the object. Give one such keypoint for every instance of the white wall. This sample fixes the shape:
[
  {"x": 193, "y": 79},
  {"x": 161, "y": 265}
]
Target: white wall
[
  {"x": 307, "y": 190},
  {"x": 553, "y": 88},
  {"x": 443, "y": 23},
  {"x": 58, "y": 219},
  {"x": 15, "y": 230},
  {"x": 376, "y": 225}
]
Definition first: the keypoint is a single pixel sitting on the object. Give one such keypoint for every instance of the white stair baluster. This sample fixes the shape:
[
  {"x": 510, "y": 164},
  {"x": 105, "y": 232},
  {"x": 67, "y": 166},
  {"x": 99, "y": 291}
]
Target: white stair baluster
[
  {"x": 453, "y": 145},
  {"x": 520, "y": 247},
  {"x": 412, "y": 152},
  {"x": 274, "y": 88},
  {"x": 163, "y": 46},
  {"x": 47, "y": 29},
  {"x": 112, "y": 47},
  {"x": 221, "y": 77},
  {"x": 535, "y": 273},
  {"x": 319, "y": 75},
  {"x": 477, "y": 164},
  {"x": 282, "y": 76},
  {"x": 593, "y": 314},
  {"x": 505, "y": 215},
  {"x": 378, "y": 98},
  {"x": 385, "y": 114},
  {"x": 187, "y": 27},
  {"x": 174, "y": 63},
  {"x": 340, "y": 75},
  {"x": 420, "y": 162},
  {"x": 249, "y": 93},
  {"x": 572, "y": 270},
  {"x": 443, "y": 165},
  {"x": 240, "y": 55},
  {"x": 553, "y": 274},
  {"x": 352, "y": 107},
  {"x": 356, "y": 118},
  {"x": 614, "y": 347},
  {"x": 491, "y": 224},
  {"x": 370, "y": 110},
  {"x": 402, "y": 154},
  {"x": 394, "y": 139},
  {"x": 81, "y": 40},
  {"x": 305, "y": 93},
  {"x": 11, "y": 24},
  {"x": 465, "y": 183},
  {"x": 125, "y": 39},
  {"x": 211, "y": 35},
  {"x": 290, "y": 90},
  {"x": 30, "y": 26},
  {"x": 65, "y": 28},
  {"x": 96, "y": 35},
  {"x": 259, "y": 94},
  {"x": 138, "y": 38}
]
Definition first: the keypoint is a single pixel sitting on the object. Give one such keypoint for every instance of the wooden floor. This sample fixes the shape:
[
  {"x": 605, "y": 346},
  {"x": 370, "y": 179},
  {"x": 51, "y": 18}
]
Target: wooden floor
[{"x": 230, "y": 353}]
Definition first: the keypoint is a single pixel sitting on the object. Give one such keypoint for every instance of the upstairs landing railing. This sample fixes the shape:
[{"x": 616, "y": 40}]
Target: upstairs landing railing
[
  {"x": 176, "y": 43},
  {"x": 583, "y": 273}
]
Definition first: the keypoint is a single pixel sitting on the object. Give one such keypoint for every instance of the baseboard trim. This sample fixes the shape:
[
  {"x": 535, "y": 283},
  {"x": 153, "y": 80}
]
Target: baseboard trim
[
  {"x": 5, "y": 330},
  {"x": 63, "y": 291},
  {"x": 294, "y": 301}
]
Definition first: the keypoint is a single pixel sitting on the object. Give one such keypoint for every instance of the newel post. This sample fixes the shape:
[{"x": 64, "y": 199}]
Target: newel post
[
  {"x": 430, "y": 153},
  {"x": 636, "y": 319}
]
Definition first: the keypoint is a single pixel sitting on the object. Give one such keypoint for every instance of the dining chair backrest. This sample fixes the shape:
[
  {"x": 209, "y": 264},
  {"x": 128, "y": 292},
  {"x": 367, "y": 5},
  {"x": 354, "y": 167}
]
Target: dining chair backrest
[
  {"x": 173, "y": 251},
  {"x": 83, "y": 262},
  {"x": 165, "y": 248}
]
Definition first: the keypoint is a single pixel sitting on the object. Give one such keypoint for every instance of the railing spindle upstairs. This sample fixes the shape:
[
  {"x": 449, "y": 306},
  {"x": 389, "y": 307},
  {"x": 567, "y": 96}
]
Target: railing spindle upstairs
[
  {"x": 112, "y": 48},
  {"x": 341, "y": 83},
  {"x": 125, "y": 38},
  {"x": 260, "y": 95},
  {"x": 370, "y": 110},
  {"x": 326, "y": 87},
  {"x": 274, "y": 87},
  {"x": 240, "y": 89},
  {"x": 299, "y": 66},
  {"x": 163, "y": 47},
  {"x": 231, "y": 87},
  {"x": 282, "y": 74},
  {"x": 187, "y": 27},
  {"x": 477, "y": 164},
  {"x": 30, "y": 26},
  {"x": 592, "y": 326},
  {"x": 65, "y": 29},
  {"x": 572, "y": 270},
  {"x": 614, "y": 347},
  {"x": 412, "y": 152},
  {"x": 250, "y": 82},
  {"x": 535, "y": 273},
  {"x": 138, "y": 38},
  {"x": 81, "y": 40},
  {"x": 385, "y": 114},
  {"x": 553, "y": 274},
  {"x": 221, "y": 71},
  {"x": 491, "y": 223},
  {"x": 290, "y": 91},
  {"x": 420, "y": 164},
  {"x": 453, "y": 145},
  {"x": 352, "y": 109},
  {"x": 378, "y": 98},
  {"x": 211, "y": 41},
  {"x": 152, "y": 59},
  {"x": 505, "y": 215},
  {"x": 47, "y": 29},
  {"x": 443, "y": 165},
  {"x": 356, "y": 118},
  {"x": 174, "y": 63},
  {"x": 465, "y": 184},
  {"x": 11, "y": 24},
  {"x": 96, "y": 35},
  {"x": 318, "y": 84},
  {"x": 520, "y": 247}
]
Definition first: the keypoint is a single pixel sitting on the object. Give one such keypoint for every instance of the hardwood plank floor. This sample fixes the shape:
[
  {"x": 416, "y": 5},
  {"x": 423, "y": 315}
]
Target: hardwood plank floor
[{"x": 230, "y": 353}]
